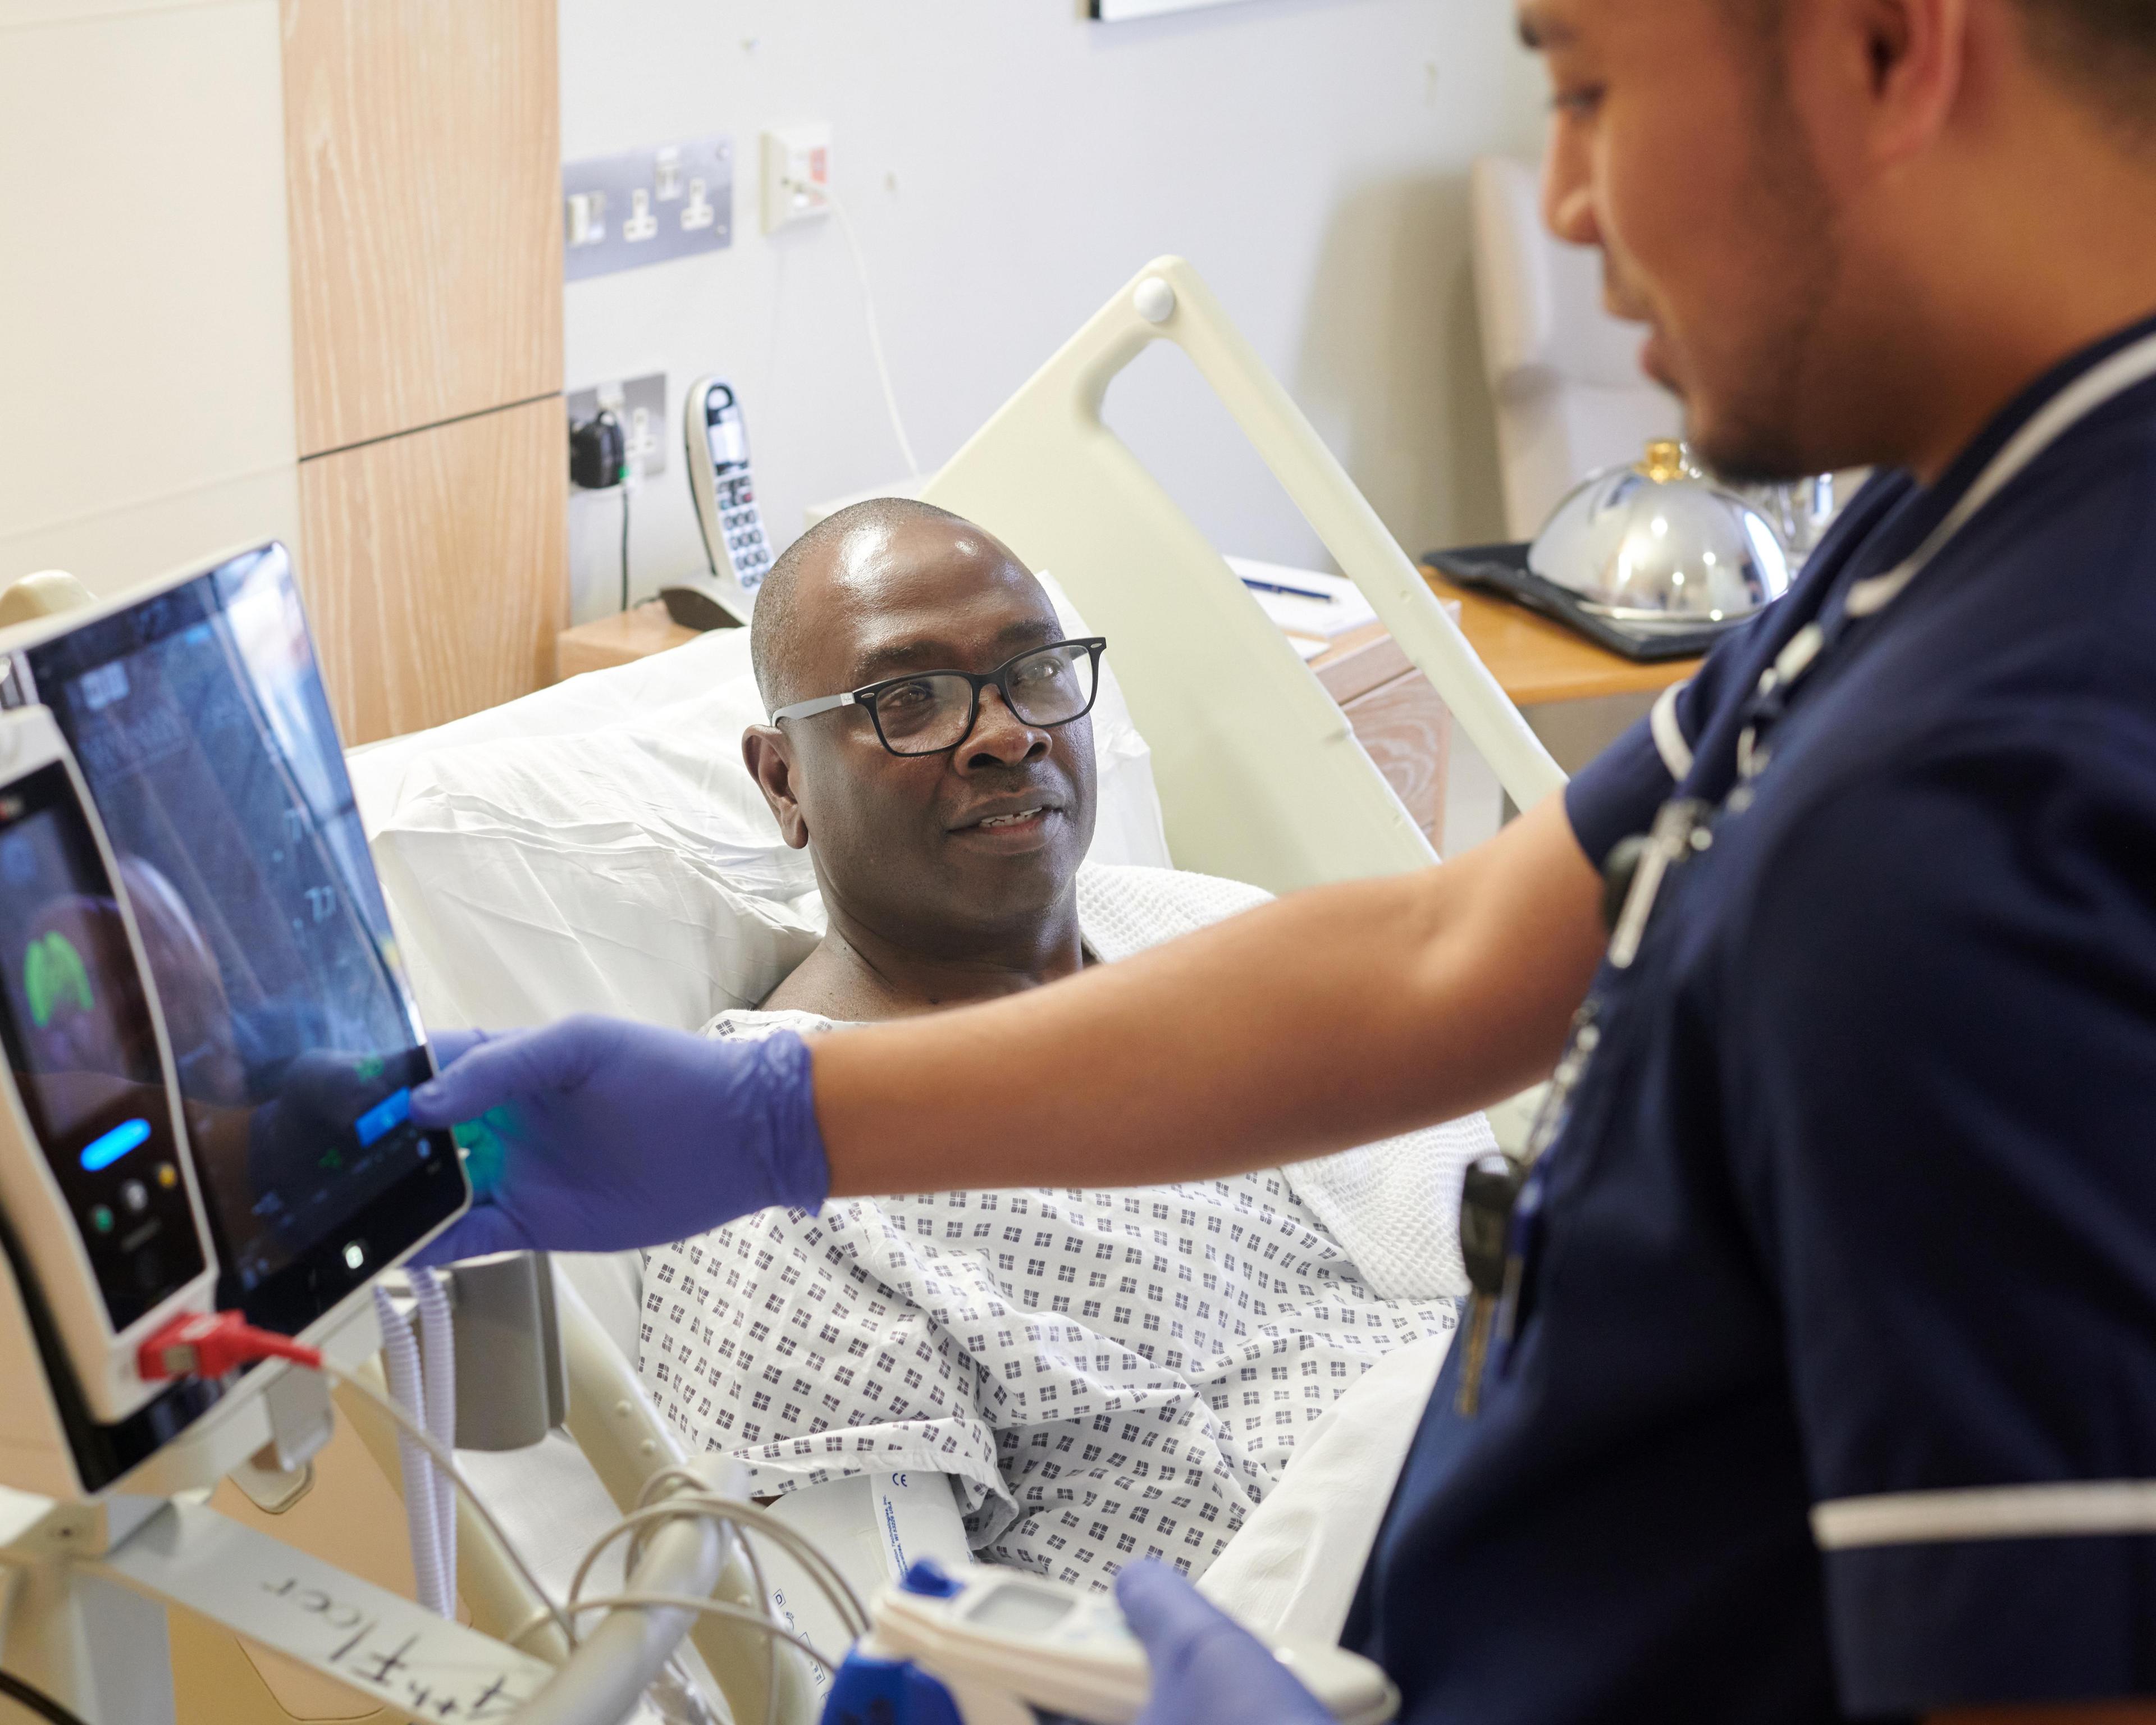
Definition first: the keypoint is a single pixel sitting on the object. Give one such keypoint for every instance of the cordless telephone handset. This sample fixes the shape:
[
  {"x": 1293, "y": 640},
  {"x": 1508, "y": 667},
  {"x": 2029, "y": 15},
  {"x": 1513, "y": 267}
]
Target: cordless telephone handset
[{"x": 717, "y": 448}]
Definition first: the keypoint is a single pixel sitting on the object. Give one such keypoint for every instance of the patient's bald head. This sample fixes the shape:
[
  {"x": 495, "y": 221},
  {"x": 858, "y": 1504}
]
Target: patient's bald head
[
  {"x": 875, "y": 592},
  {"x": 846, "y": 548}
]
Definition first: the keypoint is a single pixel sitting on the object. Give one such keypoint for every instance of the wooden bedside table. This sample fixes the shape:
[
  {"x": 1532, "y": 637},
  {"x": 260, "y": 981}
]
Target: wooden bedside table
[
  {"x": 1576, "y": 695},
  {"x": 619, "y": 640},
  {"x": 1401, "y": 723},
  {"x": 1539, "y": 663}
]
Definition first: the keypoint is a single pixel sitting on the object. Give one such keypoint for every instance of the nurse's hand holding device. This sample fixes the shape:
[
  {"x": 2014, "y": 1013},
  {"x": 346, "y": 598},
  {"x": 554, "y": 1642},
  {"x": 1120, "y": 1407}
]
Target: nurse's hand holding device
[
  {"x": 695, "y": 1134},
  {"x": 1207, "y": 1669},
  {"x": 995, "y": 1647}
]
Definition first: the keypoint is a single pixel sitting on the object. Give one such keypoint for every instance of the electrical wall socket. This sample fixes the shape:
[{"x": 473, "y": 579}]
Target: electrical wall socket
[
  {"x": 646, "y": 206},
  {"x": 797, "y": 175},
  {"x": 640, "y": 404}
]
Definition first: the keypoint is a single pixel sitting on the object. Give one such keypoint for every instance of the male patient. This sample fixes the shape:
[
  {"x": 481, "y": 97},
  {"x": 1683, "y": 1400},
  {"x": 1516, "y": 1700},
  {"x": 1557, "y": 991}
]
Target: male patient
[{"x": 1106, "y": 1375}]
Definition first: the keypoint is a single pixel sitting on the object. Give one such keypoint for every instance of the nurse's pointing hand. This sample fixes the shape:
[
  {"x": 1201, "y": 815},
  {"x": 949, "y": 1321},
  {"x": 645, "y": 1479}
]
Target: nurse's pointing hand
[
  {"x": 599, "y": 1134},
  {"x": 1207, "y": 1668}
]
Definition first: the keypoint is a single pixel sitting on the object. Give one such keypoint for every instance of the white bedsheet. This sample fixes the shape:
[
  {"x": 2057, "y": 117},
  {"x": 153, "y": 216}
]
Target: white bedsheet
[{"x": 1294, "y": 1569}]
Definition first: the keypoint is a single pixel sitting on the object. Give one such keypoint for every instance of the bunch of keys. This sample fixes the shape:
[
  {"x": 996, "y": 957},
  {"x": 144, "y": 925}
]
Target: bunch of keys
[{"x": 1487, "y": 1199}]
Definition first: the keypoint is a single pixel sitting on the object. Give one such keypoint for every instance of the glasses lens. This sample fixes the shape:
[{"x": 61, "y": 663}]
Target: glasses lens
[
  {"x": 924, "y": 714},
  {"x": 1053, "y": 685}
]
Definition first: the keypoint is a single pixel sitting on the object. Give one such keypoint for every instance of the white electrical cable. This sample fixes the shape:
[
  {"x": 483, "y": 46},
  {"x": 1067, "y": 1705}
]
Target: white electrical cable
[
  {"x": 409, "y": 1426},
  {"x": 774, "y": 1630},
  {"x": 696, "y": 1504},
  {"x": 438, "y": 1379},
  {"x": 747, "y": 1517},
  {"x": 696, "y": 1496},
  {"x": 400, "y": 1356},
  {"x": 830, "y": 200},
  {"x": 734, "y": 1518},
  {"x": 692, "y": 1497}
]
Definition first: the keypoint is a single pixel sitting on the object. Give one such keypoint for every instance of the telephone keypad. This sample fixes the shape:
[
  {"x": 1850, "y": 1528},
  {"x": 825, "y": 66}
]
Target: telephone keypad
[{"x": 743, "y": 527}]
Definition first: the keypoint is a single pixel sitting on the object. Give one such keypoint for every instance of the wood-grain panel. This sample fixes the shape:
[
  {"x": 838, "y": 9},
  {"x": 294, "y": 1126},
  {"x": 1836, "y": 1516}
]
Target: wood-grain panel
[
  {"x": 1406, "y": 729},
  {"x": 1537, "y": 662},
  {"x": 423, "y": 165},
  {"x": 435, "y": 568},
  {"x": 623, "y": 638},
  {"x": 1359, "y": 661}
]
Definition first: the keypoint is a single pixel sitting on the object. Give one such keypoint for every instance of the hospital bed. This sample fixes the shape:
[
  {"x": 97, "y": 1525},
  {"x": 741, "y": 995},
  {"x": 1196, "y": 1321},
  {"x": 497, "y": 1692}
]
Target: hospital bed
[{"x": 596, "y": 845}]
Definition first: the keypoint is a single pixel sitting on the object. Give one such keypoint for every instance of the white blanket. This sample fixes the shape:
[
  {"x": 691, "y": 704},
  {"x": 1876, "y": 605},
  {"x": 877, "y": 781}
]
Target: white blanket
[{"x": 1105, "y": 1374}]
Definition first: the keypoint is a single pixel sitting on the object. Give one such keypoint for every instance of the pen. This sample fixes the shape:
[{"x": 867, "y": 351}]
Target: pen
[{"x": 1299, "y": 593}]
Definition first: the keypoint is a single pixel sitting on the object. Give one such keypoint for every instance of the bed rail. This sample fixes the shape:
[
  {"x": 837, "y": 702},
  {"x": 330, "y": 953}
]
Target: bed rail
[{"x": 1260, "y": 777}]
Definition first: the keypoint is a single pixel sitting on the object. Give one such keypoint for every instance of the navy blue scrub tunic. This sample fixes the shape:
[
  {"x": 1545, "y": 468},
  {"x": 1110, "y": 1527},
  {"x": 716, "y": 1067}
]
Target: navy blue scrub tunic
[{"x": 1833, "y": 1388}]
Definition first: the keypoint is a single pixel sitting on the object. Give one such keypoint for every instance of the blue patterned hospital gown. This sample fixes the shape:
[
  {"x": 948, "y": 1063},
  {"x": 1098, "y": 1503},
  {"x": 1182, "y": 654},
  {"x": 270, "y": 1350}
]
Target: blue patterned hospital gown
[{"x": 1106, "y": 1375}]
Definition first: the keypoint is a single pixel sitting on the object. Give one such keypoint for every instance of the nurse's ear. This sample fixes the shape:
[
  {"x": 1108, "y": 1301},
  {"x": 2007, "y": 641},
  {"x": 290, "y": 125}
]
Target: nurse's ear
[
  {"x": 1886, "y": 77},
  {"x": 769, "y": 758}
]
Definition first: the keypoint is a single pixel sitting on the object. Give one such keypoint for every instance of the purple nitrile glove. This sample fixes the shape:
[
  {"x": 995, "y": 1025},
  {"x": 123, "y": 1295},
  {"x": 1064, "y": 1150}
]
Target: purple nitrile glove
[
  {"x": 1207, "y": 1668},
  {"x": 597, "y": 1134}
]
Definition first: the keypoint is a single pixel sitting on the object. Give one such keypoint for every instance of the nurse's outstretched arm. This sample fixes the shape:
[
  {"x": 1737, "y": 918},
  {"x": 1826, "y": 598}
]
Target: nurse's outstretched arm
[
  {"x": 1324, "y": 1020},
  {"x": 1327, "y": 1019}
]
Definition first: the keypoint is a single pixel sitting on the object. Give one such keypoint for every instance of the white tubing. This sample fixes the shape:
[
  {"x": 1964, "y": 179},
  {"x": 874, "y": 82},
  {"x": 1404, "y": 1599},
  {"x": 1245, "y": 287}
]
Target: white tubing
[
  {"x": 400, "y": 1361},
  {"x": 616, "y": 1660},
  {"x": 437, "y": 1367}
]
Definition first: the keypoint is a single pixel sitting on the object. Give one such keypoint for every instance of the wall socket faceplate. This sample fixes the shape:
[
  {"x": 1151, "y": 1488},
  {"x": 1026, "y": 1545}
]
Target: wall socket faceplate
[
  {"x": 640, "y": 405},
  {"x": 646, "y": 206},
  {"x": 797, "y": 175}
]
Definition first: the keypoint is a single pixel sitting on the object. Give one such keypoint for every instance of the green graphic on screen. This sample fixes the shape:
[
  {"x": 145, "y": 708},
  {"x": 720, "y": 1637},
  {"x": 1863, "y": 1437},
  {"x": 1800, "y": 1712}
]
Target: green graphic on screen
[{"x": 53, "y": 975}]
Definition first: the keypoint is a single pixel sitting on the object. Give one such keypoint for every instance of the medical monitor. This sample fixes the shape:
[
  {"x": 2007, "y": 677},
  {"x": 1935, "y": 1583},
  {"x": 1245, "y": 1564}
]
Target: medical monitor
[
  {"x": 83, "y": 1052},
  {"x": 198, "y": 719}
]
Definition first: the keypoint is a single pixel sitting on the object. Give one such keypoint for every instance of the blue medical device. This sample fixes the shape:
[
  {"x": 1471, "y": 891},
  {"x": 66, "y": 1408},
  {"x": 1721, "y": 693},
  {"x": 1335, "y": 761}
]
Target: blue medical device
[{"x": 996, "y": 1646}]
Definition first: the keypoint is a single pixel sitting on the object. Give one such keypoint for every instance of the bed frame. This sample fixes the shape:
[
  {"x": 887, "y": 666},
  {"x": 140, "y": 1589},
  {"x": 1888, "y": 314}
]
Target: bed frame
[{"x": 1260, "y": 777}]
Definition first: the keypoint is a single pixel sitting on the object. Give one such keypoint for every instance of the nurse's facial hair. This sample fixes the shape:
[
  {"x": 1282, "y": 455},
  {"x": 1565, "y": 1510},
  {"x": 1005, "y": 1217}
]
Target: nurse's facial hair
[{"x": 1675, "y": 149}]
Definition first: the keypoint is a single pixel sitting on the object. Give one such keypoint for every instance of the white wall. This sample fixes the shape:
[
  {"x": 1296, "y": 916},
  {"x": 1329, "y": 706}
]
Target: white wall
[
  {"x": 1008, "y": 165},
  {"x": 146, "y": 334}
]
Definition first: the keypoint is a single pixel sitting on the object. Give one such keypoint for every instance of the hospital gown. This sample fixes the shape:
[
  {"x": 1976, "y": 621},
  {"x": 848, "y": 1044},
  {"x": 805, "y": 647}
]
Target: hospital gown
[{"x": 1106, "y": 1375}]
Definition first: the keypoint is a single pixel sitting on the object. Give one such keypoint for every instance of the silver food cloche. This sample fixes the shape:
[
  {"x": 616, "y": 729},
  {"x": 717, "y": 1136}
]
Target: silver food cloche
[{"x": 1659, "y": 546}]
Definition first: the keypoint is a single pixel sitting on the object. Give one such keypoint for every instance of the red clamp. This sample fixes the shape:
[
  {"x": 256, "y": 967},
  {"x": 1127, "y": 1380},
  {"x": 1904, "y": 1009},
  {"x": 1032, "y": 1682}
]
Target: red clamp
[{"x": 208, "y": 1344}]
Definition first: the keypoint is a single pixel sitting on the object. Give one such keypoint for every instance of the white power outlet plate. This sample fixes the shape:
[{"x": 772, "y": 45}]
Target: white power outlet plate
[{"x": 797, "y": 174}]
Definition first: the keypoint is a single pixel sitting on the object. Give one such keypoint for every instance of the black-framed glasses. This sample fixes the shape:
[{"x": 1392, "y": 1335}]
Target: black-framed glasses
[{"x": 929, "y": 712}]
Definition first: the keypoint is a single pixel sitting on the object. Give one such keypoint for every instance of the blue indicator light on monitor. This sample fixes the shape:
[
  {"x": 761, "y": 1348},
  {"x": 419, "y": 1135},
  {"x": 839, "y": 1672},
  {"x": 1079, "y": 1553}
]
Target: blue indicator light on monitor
[
  {"x": 108, "y": 1147},
  {"x": 393, "y": 1110}
]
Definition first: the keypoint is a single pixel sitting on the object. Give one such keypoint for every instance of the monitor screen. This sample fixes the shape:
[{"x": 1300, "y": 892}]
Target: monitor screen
[
  {"x": 198, "y": 719},
  {"x": 75, "y": 1021}
]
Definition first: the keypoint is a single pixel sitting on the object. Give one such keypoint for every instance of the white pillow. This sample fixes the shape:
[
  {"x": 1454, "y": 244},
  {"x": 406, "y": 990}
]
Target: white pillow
[{"x": 598, "y": 846}]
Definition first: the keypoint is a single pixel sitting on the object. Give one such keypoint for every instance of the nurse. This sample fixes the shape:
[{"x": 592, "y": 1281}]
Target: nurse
[{"x": 1821, "y": 1379}]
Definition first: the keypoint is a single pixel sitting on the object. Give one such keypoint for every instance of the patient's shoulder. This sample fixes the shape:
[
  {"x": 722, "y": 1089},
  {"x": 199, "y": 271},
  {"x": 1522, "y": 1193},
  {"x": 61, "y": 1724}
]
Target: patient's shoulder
[
  {"x": 824, "y": 984},
  {"x": 1124, "y": 908}
]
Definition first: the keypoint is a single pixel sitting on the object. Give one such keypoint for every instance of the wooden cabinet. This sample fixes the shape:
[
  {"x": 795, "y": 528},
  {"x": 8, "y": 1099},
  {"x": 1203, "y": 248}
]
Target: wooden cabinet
[
  {"x": 432, "y": 574},
  {"x": 422, "y": 145},
  {"x": 620, "y": 640},
  {"x": 1402, "y": 722},
  {"x": 422, "y": 172}
]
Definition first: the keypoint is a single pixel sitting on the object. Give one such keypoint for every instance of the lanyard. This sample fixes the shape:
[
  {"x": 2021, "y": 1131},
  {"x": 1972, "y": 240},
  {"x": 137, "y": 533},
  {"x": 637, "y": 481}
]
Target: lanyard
[{"x": 1501, "y": 1197}]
